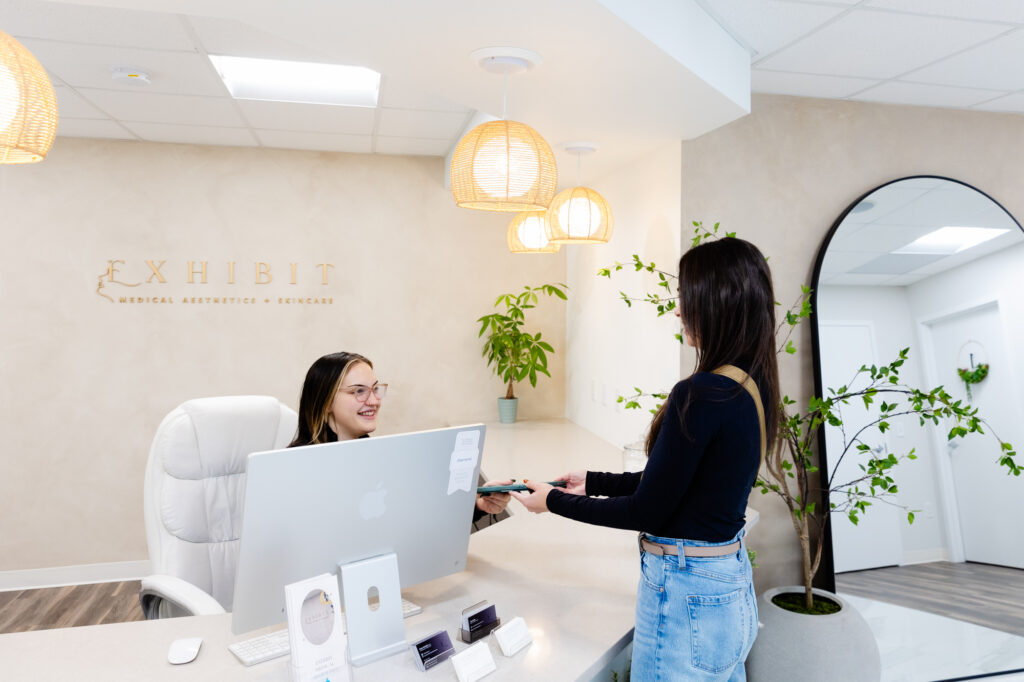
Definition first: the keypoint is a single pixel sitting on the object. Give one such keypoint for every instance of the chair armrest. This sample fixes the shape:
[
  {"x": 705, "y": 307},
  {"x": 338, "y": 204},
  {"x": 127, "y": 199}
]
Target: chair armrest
[{"x": 180, "y": 593}]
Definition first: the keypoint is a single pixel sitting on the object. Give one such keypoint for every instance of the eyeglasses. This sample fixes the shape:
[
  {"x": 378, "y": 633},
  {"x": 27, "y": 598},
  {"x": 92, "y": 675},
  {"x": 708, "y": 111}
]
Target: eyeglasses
[{"x": 362, "y": 393}]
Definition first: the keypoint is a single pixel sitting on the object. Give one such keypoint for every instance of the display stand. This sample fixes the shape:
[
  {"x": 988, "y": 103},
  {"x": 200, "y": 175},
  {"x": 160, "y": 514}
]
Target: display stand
[{"x": 372, "y": 633}]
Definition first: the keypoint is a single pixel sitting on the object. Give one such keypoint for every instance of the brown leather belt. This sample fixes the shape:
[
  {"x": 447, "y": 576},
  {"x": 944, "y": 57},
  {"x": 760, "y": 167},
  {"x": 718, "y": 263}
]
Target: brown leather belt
[{"x": 660, "y": 549}]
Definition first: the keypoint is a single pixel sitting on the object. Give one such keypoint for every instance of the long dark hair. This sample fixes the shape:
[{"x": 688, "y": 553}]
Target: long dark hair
[
  {"x": 323, "y": 379},
  {"x": 727, "y": 302}
]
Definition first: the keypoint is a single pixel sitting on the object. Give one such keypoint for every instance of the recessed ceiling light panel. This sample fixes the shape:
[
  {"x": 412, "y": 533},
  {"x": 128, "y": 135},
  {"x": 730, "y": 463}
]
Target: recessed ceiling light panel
[
  {"x": 950, "y": 240},
  {"x": 274, "y": 80}
]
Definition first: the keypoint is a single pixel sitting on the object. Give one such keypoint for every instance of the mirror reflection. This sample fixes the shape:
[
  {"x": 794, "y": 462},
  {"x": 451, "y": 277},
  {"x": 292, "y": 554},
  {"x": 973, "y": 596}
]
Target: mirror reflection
[{"x": 934, "y": 265}]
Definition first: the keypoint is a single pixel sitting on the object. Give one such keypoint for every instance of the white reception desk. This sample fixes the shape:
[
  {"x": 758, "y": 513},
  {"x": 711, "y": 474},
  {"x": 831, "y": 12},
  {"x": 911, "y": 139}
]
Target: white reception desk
[{"x": 573, "y": 584}]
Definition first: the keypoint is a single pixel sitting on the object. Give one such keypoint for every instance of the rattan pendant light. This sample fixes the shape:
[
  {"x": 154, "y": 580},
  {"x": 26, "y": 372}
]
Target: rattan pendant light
[
  {"x": 579, "y": 215},
  {"x": 527, "y": 233},
  {"x": 504, "y": 165},
  {"x": 28, "y": 106}
]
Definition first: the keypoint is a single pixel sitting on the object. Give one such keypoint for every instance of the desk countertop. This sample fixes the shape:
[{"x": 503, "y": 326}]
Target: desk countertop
[{"x": 573, "y": 584}]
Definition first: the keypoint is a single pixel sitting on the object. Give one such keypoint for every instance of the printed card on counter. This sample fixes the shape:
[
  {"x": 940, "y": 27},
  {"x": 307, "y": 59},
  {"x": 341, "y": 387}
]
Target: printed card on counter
[
  {"x": 513, "y": 636},
  {"x": 474, "y": 663},
  {"x": 432, "y": 650}
]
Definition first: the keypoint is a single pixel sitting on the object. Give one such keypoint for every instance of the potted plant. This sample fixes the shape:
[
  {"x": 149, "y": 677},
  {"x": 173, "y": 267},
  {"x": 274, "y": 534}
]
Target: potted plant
[
  {"x": 813, "y": 497},
  {"x": 512, "y": 353}
]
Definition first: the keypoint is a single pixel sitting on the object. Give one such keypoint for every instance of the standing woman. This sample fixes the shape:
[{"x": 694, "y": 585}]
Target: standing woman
[{"x": 696, "y": 612}]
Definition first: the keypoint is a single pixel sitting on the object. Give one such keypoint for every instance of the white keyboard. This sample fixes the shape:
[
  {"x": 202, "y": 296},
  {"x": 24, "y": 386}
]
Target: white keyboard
[{"x": 275, "y": 644}]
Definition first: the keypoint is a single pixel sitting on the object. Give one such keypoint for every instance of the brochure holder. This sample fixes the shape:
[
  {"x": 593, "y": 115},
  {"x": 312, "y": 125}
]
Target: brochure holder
[
  {"x": 373, "y": 633},
  {"x": 314, "y": 630}
]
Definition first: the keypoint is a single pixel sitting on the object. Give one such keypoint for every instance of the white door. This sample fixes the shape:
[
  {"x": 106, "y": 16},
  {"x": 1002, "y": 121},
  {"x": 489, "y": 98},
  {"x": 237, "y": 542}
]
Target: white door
[
  {"x": 876, "y": 540},
  {"x": 988, "y": 501}
]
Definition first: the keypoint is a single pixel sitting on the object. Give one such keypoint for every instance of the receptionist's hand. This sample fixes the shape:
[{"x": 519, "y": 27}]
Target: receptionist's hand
[
  {"x": 537, "y": 499},
  {"x": 494, "y": 503},
  {"x": 575, "y": 482}
]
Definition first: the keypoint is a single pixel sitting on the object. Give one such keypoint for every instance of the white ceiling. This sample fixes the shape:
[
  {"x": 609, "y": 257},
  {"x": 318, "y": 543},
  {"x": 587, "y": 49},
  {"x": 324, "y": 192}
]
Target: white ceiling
[
  {"x": 601, "y": 80},
  {"x": 861, "y": 250},
  {"x": 964, "y": 54},
  {"x": 614, "y": 73}
]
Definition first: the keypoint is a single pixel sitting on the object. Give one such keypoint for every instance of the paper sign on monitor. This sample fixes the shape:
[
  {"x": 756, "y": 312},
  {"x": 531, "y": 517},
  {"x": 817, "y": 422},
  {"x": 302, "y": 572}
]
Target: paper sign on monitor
[{"x": 463, "y": 461}]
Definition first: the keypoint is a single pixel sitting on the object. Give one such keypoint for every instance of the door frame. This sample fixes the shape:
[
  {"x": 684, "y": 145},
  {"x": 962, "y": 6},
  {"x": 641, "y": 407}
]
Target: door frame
[{"x": 947, "y": 485}]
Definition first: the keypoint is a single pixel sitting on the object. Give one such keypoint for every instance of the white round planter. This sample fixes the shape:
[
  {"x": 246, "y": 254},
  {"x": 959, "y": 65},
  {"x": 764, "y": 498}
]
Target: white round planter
[
  {"x": 793, "y": 647},
  {"x": 507, "y": 408}
]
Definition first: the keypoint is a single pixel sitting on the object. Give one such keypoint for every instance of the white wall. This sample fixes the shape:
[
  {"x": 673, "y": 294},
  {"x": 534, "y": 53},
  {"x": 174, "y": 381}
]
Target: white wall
[
  {"x": 612, "y": 347},
  {"x": 889, "y": 313}
]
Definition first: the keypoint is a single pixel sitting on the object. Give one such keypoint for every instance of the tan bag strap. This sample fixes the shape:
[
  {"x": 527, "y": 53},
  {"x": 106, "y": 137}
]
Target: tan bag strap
[{"x": 744, "y": 380}]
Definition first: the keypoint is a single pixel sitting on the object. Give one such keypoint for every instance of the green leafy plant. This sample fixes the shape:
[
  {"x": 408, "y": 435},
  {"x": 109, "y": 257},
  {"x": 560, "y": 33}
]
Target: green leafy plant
[
  {"x": 790, "y": 471},
  {"x": 515, "y": 354},
  {"x": 973, "y": 376}
]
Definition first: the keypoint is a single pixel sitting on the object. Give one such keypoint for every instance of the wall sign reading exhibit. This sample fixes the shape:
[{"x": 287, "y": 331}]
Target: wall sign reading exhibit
[{"x": 228, "y": 282}]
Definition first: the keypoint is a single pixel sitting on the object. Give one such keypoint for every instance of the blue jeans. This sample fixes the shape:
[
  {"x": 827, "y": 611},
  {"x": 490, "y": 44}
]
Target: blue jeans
[{"x": 696, "y": 617}]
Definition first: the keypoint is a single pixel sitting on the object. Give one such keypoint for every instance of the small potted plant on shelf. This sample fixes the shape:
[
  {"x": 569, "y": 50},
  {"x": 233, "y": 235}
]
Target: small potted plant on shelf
[
  {"x": 791, "y": 631},
  {"x": 513, "y": 353}
]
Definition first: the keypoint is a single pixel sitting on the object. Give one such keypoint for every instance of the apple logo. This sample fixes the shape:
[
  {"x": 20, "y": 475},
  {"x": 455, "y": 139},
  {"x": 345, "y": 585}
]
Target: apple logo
[{"x": 372, "y": 504}]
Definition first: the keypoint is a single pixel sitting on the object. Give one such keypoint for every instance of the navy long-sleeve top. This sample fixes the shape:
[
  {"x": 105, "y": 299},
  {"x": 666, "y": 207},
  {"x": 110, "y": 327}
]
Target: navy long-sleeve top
[{"x": 698, "y": 476}]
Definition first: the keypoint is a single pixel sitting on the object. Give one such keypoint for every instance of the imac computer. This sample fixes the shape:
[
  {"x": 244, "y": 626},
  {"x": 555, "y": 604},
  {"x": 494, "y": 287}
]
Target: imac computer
[{"x": 314, "y": 509}]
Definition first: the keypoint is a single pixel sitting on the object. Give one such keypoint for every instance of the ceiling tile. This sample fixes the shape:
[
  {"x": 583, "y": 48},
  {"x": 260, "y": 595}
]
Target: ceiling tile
[
  {"x": 287, "y": 139},
  {"x": 394, "y": 95},
  {"x": 413, "y": 146},
  {"x": 806, "y": 85},
  {"x": 858, "y": 280},
  {"x": 876, "y": 44},
  {"x": 409, "y": 123},
  {"x": 154, "y": 108},
  {"x": 231, "y": 37},
  {"x": 1011, "y": 103},
  {"x": 767, "y": 25},
  {"x": 91, "y": 66},
  {"x": 311, "y": 118},
  {"x": 979, "y": 67},
  {"x": 93, "y": 25},
  {"x": 920, "y": 94},
  {"x": 70, "y": 105},
  {"x": 165, "y": 132},
  {"x": 82, "y": 127},
  {"x": 989, "y": 10}
]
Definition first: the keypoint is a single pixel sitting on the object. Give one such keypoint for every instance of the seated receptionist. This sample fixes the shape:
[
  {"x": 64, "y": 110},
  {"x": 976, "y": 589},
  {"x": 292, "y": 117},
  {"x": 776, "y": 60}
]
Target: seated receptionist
[{"x": 340, "y": 401}]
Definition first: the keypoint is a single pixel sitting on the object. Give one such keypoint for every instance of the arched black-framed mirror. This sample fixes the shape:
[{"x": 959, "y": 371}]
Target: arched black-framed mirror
[{"x": 936, "y": 265}]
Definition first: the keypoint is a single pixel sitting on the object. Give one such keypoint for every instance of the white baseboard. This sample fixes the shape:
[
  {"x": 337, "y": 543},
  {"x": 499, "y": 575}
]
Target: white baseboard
[
  {"x": 924, "y": 556},
  {"x": 58, "y": 576}
]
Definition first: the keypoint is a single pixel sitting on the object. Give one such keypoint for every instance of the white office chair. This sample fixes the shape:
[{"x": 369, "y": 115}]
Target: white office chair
[{"x": 195, "y": 481}]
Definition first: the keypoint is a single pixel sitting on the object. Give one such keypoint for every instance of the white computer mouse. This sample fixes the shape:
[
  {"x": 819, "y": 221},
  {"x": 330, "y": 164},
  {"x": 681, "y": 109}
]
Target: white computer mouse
[{"x": 184, "y": 650}]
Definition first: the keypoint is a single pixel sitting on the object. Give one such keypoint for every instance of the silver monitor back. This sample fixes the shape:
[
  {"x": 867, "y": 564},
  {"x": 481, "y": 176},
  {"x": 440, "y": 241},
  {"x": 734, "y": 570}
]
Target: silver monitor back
[{"x": 307, "y": 509}]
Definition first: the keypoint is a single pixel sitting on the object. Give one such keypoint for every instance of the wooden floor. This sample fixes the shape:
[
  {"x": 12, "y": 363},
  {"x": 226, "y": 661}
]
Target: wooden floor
[
  {"x": 65, "y": 607},
  {"x": 991, "y": 596}
]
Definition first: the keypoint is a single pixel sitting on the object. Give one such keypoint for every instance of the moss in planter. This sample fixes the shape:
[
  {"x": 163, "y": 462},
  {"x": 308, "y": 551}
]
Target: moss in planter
[{"x": 794, "y": 601}]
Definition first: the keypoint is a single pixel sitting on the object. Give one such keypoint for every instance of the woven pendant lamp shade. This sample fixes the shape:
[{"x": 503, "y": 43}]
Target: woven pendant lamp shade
[
  {"x": 28, "y": 106},
  {"x": 579, "y": 215},
  {"x": 503, "y": 166},
  {"x": 527, "y": 233}
]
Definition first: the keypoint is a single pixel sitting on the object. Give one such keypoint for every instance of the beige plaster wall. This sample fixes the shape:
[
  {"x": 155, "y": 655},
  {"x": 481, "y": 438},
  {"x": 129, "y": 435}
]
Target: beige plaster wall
[
  {"x": 85, "y": 381},
  {"x": 612, "y": 347},
  {"x": 780, "y": 177}
]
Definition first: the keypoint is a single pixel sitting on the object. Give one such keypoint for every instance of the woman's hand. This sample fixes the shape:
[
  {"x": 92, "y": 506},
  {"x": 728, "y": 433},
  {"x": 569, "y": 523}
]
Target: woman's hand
[
  {"x": 537, "y": 499},
  {"x": 575, "y": 482},
  {"x": 494, "y": 503}
]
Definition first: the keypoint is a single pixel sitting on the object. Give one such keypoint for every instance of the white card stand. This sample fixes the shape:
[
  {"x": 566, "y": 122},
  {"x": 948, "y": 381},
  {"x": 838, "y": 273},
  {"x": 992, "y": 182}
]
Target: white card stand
[
  {"x": 474, "y": 663},
  {"x": 513, "y": 636},
  {"x": 373, "y": 634},
  {"x": 315, "y": 633}
]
